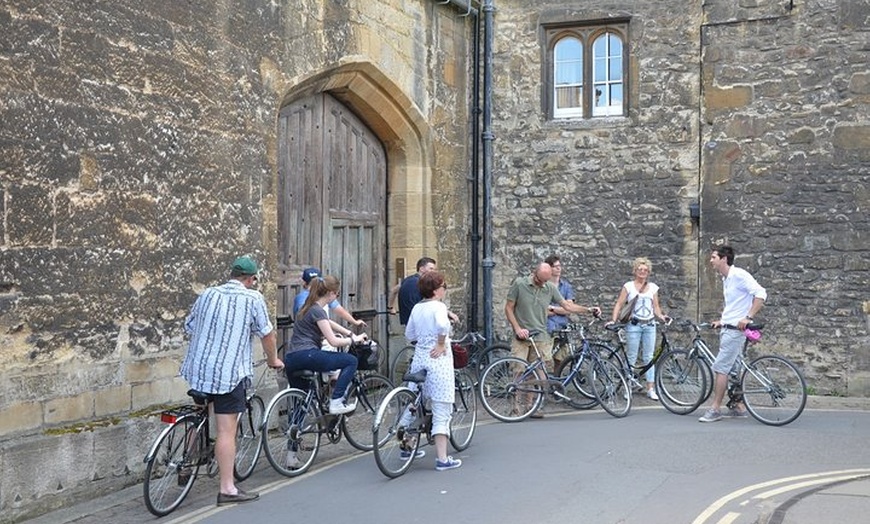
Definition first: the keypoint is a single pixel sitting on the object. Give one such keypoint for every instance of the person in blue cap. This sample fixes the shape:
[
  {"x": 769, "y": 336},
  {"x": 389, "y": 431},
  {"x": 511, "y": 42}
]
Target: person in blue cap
[{"x": 334, "y": 306}]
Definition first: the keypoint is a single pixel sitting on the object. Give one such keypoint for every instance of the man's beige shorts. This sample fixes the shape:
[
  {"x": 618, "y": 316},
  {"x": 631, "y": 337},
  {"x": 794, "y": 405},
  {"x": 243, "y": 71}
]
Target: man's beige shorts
[{"x": 523, "y": 349}]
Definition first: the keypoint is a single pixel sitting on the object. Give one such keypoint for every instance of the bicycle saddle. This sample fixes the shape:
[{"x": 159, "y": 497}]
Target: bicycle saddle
[
  {"x": 302, "y": 373},
  {"x": 418, "y": 377},
  {"x": 198, "y": 396}
]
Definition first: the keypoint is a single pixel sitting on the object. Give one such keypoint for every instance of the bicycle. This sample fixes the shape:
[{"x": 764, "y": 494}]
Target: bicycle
[
  {"x": 674, "y": 385},
  {"x": 295, "y": 419},
  {"x": 185, "y": 445},
  {"x": 772, "y": 387},
  {"x": 403, "y": 419},
  {"x": 508, "y": 383},
  {"x": 479, "y": 355}
]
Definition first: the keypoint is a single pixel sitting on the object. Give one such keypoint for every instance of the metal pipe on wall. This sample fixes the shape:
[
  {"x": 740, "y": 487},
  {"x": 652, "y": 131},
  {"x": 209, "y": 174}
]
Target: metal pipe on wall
[{"x": 488, "y": 137}]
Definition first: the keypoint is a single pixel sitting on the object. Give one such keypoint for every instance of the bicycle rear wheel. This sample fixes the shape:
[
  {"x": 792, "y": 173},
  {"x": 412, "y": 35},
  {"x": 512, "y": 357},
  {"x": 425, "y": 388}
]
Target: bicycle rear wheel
[
  {"x": 578, "y": 389},
  {"x": 681, "y": 381},
  {"x": 401, "y": 364},
  {"x": 510, "y": 390},
  {"x": 368, "y": 395},
  {"x": 774, "y": 390},
  {"x": 172, "y": 468},
  {"x": 291, "y": 432},
  {"x": 490, "y": 354},
  {"x": 611, "y": 388},
  {"x": 396, "y": 432},
  {"x": 249, "y": 442},
  {"x": 464, "y": 418}
]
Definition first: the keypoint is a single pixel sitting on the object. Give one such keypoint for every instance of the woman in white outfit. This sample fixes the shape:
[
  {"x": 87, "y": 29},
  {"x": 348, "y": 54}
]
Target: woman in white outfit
[
  {"x": 429, "y": 325},
  {"x": 641, "y": 328}
]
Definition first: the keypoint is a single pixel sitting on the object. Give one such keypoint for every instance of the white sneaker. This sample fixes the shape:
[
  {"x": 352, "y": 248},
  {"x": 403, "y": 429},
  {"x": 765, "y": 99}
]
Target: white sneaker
[
  {"x": 651, "y": 394},
  {"x": 291, "y": 461},
  {"x": 337, "y": 406}
]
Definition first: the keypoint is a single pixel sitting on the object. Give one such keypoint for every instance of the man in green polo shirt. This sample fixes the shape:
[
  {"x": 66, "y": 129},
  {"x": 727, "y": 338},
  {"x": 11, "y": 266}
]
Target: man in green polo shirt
[{"x": 526, "y": 310}]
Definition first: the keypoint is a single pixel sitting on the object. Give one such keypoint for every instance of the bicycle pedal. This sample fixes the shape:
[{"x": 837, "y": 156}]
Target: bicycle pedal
[{"x": 561, "y": 396}]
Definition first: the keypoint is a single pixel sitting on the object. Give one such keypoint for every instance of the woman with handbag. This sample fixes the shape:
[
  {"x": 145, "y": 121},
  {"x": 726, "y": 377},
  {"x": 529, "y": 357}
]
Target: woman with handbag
[
  {"x": 429, "y": 325},
  {"x": 638, "y": 307}
]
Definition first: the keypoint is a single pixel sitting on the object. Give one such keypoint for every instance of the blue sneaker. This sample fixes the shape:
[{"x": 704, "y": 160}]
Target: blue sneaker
[
  {"x": 711, "y": 416},
  {"x": 450, "y": 463},
  {"x": 407, "y": 454}
]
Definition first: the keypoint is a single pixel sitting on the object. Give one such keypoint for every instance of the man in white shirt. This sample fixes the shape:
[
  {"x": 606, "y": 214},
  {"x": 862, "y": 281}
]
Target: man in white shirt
[{"x": 744, "y": 298}]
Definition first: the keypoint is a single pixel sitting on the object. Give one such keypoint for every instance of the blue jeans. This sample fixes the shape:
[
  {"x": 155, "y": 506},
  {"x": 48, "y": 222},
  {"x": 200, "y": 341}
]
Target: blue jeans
[
  {"x": 323, "y": 361},
  {"x": 637, "y": 336}
]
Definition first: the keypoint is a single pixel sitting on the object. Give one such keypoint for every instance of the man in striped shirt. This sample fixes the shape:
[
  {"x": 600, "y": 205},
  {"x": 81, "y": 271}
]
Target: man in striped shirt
[{"x": 219, "y": 359}]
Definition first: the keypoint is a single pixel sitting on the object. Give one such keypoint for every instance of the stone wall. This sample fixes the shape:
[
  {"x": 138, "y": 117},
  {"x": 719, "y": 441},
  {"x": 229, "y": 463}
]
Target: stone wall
[
  {"x": 599, "y": 192},
  {"x": 786, "y": 165},
  {"x": 759, "y": 109},
  {"x": 138, "y": 159}
]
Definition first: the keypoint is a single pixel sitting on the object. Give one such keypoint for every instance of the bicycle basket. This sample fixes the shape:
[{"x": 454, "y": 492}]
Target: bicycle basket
[
  {"x": 366, "y": 354},
  {"x": 460, "y": 356}
]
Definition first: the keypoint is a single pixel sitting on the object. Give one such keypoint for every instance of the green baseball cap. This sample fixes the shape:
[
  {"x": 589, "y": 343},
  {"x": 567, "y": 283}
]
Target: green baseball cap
[{"x": 245, "y": 266}]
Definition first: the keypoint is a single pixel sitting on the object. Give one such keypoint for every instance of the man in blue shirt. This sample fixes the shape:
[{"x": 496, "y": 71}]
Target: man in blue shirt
[
  {"x": 557, "y": 317},
  {"x": 219, "y": 359}
]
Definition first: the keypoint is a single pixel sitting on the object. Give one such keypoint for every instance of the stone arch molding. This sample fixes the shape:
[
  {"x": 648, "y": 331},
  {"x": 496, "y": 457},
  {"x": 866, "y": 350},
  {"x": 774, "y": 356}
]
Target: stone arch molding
[{"x": 395, "y": 119}]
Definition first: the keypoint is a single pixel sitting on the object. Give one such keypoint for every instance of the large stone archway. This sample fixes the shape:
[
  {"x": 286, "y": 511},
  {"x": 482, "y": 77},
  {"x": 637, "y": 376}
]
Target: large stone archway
[
  {"x": 400, "y": 126},
  {"x": 394, "y": 119}
]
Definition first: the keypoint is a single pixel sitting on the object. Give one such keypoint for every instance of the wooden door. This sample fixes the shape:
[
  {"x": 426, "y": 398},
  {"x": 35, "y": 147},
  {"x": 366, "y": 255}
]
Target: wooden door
[{"x": 332, "y": 204}]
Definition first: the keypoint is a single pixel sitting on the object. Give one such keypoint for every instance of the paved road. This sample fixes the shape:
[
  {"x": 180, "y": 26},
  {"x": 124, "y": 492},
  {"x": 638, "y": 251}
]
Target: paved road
[{"x": 651, "y": 467}]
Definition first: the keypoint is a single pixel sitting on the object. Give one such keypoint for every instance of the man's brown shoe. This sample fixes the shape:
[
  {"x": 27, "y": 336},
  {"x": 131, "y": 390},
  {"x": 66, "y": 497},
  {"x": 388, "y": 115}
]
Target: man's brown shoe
[
  {"x": 536, "y": 414},
  {"x": 241, "y": 496}
]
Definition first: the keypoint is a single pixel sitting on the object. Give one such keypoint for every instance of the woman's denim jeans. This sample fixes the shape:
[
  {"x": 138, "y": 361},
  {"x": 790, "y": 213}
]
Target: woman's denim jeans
[
  {"x": 641, "y": 335},
  {"x": 319, "y": 360}
]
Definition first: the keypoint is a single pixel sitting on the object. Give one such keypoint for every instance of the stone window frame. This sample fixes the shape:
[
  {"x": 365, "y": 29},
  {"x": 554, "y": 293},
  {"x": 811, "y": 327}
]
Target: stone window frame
[{"x": 586, "y": 32}]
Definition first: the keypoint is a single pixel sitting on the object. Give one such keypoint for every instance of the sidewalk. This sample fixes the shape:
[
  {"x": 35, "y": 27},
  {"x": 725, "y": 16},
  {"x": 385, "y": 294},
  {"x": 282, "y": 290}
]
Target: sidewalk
[{"x": 836, "y": 502}]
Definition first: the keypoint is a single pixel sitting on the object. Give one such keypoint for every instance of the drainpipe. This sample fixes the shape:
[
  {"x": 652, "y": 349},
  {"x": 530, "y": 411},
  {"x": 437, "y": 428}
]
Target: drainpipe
[
  {"x": 474, "y": 305},
  {"x": 488, "y": 137}
]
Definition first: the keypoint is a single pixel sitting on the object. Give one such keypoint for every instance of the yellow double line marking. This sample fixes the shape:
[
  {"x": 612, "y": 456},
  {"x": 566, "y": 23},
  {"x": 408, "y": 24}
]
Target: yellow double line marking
[{"x": 785, "y": 485}]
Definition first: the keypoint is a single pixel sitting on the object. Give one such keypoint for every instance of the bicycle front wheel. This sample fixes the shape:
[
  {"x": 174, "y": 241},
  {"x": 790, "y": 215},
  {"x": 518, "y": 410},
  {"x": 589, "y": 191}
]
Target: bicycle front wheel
[
  {"x": 172, "y": 467},
  {"x": 291, "y": 432},
  {"x": 774, "y": 390},
  {"x": 249, "y": 442},
  {"x": 681, "y": 381},
  {"x": 396, "y": 432},
  {"x": 611, "y": 388},
  {"x": 401, "y": 364},
  {"x": 368, "y": 394},
  {"x": 464, "y": 418},
  {"x": 573, "y": 373},
  {"x": 510, "y": 389}
]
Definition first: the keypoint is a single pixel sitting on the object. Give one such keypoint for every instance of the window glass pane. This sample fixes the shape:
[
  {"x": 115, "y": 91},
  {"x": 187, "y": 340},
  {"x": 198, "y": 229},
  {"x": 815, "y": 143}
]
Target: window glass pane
[
  {"x": 568, "y": 48},
  {"x": 615, "y": 44},
  {"x": 568, "y": 97},
  {"x": 600, "y": 98},
  {"x": 616, "y": 94},
  {"x": 615, "y": 68},
  {"x": 569, "y": 73},
  {"x": 600, "y": 72},
  {"x": 599, "y": 48}
]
